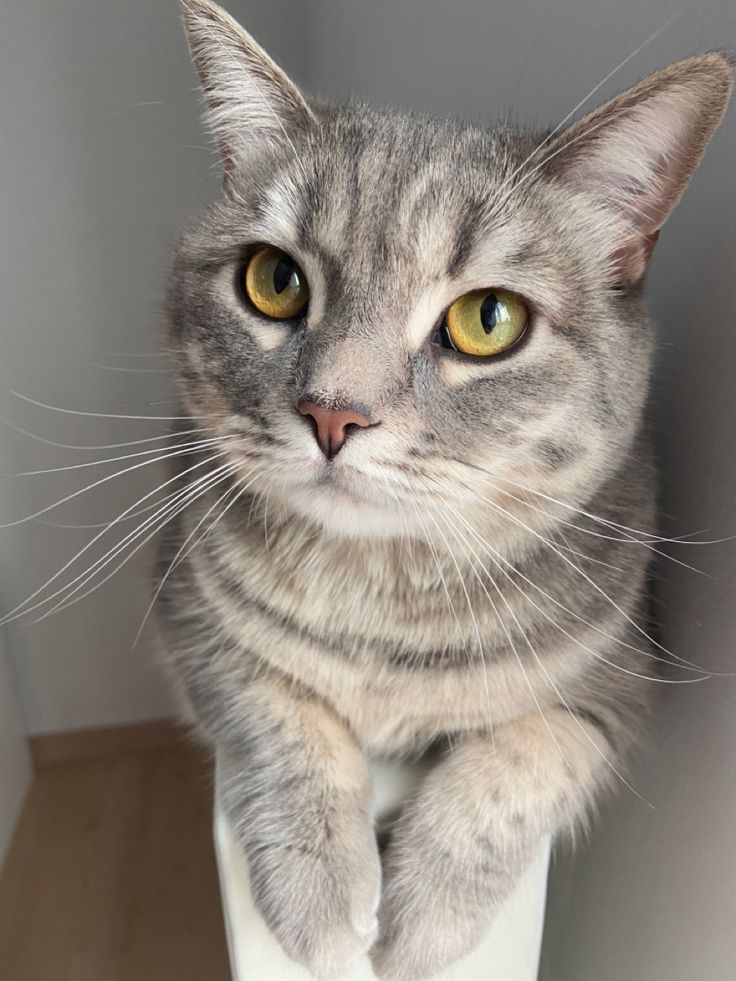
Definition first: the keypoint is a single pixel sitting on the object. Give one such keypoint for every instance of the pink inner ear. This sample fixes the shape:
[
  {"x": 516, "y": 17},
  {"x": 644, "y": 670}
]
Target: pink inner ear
[
  {"x": 630, "y": 259},
  {"x": 638, "y": 165},
  {"x": 644, "y": 209},
  {"x": 649, "y": 242}
]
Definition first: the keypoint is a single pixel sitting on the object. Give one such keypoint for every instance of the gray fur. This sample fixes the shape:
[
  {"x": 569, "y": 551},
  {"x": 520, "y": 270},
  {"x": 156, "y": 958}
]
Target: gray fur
[{"x": 338, "y": 611}]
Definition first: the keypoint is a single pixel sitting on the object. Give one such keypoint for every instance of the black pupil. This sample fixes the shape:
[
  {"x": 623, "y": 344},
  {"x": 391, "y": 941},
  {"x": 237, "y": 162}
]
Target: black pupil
[
  {"x": 489, "y": 312},
  {"x": 282, "y": 274}
]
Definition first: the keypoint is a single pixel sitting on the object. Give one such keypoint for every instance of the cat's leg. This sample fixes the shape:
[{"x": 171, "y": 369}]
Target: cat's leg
[
  {"x": 462, "y": 843},
  {"x": 298, "y": 793}
]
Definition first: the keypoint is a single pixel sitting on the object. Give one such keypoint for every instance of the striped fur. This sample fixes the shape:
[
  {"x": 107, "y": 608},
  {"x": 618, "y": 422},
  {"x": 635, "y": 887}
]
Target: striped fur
[{"x": 463, "y": 577}]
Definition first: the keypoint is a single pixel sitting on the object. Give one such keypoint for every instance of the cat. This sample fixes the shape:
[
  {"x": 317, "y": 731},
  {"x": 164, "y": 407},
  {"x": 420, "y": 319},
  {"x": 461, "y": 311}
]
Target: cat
[{"x": 422, "y": 351}]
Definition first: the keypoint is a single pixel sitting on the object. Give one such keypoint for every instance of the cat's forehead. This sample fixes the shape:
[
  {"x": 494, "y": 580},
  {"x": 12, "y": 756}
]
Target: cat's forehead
[{"x": 390, "y": 190}]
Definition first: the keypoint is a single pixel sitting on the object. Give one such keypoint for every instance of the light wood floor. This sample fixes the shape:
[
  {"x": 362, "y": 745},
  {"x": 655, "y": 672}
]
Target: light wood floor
[{"x": 111, "y": 875}]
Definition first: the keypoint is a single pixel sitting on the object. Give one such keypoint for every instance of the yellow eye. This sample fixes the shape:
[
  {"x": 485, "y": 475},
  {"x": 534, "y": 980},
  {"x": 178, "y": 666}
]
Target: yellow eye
[
  {"x": 485, "y": 322},
  {"x": 274, "y": 284}
]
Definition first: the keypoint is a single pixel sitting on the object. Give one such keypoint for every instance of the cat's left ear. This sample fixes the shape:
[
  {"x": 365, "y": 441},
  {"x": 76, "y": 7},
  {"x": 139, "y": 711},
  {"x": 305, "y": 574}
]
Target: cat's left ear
[
  {"x": 634, "y": 157},
  {"x": 249, "y": 99}
]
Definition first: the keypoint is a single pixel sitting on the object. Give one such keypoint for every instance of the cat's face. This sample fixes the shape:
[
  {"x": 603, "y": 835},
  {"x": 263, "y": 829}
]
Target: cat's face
[{"x": 389, "y": 220}]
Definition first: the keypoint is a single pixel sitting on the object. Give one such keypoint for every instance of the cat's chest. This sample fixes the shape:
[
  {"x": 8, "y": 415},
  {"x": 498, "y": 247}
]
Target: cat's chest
[
  {"x": 400, "y": 663},
  {"x": 403, "y": 710}
]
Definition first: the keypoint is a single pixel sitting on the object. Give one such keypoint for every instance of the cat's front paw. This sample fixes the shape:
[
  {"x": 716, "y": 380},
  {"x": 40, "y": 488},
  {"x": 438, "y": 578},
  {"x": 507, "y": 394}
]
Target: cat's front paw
[
  {"x": 322, "y": 907},
  {"x": 415, "y": 941},
  {"x": 412, "y": 944},
  {"x": 433, "y": 910}
]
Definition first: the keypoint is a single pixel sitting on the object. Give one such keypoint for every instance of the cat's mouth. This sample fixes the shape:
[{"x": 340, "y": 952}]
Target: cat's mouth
[
  {"x": 345, "y": 499},
  {"x": 338, "y": 485}
]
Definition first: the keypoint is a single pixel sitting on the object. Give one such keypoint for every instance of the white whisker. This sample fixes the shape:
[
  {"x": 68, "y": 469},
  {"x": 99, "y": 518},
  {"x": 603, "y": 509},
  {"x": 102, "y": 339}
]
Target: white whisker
[
  {"x": 491, "y": 552},
  {"x": 105, "y": 446},
  {"x": 105, "y": 415},
  {"x": 199, "y": 444},
  {"x": 633, "y": 535},
  {"x": 551, "y": 681},
  {"x": 103, "y": 480},
  {"x": 130, "y": 354},
  {"x": 156, "y": 521},
  {"x": 596, "y": 88},
  {"x": 21, "y": 609},
  {"x": 182, "y": 554},
  {"x": 472, "y": 617},
  {"x": 595, "y": 586},
  {"x": 105, "y": 524},
  {"x": 462, "y": 542},
  {"x": 435, "y": 556},
  {"x": 125, "y": 370},
  {"x": 540, "y": 146}
]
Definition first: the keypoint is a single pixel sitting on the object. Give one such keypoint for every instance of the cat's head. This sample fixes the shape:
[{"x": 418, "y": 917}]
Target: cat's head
[{"x": 396, "y": 313}]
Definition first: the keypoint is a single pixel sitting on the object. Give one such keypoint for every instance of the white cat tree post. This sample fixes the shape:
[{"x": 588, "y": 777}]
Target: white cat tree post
[{"x": 509, "y": 951}]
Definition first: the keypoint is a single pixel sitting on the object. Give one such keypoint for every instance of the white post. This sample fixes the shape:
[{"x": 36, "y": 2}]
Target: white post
[{"x": 510, "y": 950}]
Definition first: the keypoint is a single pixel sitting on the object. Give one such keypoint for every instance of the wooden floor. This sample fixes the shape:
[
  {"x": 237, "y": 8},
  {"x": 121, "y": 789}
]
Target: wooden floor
[{"x": 111, "y": 875}]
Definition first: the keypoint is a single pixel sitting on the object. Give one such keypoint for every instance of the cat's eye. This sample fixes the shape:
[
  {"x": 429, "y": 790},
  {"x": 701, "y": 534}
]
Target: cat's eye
[
  {"x": 275, "y": 284},
  {"x": 484, "y": 323}
]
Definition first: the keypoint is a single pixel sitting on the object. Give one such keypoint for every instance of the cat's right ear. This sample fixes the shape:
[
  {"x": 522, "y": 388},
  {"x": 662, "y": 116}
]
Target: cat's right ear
[{"x": 249, "y": 99}]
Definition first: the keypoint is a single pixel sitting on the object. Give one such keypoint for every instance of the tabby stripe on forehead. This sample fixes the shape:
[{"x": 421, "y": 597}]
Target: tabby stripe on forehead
[{"x": 464, "y": 242}]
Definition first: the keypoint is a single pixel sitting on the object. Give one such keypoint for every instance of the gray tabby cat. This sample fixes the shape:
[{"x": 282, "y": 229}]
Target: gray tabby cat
[{"x": 423, "y": 352}]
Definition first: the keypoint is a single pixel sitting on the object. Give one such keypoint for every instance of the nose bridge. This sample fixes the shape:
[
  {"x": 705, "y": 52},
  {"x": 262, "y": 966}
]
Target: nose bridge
[{"x": 350, "y": 365}]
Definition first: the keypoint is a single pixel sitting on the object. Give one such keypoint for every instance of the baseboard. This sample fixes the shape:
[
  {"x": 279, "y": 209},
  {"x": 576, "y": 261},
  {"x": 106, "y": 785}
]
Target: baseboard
[{"x": 55, "y": 748}]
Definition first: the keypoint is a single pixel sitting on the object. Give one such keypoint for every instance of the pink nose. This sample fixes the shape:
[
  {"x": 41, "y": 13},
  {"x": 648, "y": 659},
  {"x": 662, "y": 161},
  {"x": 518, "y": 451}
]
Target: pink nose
[{"x": 332, "y": 426}]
